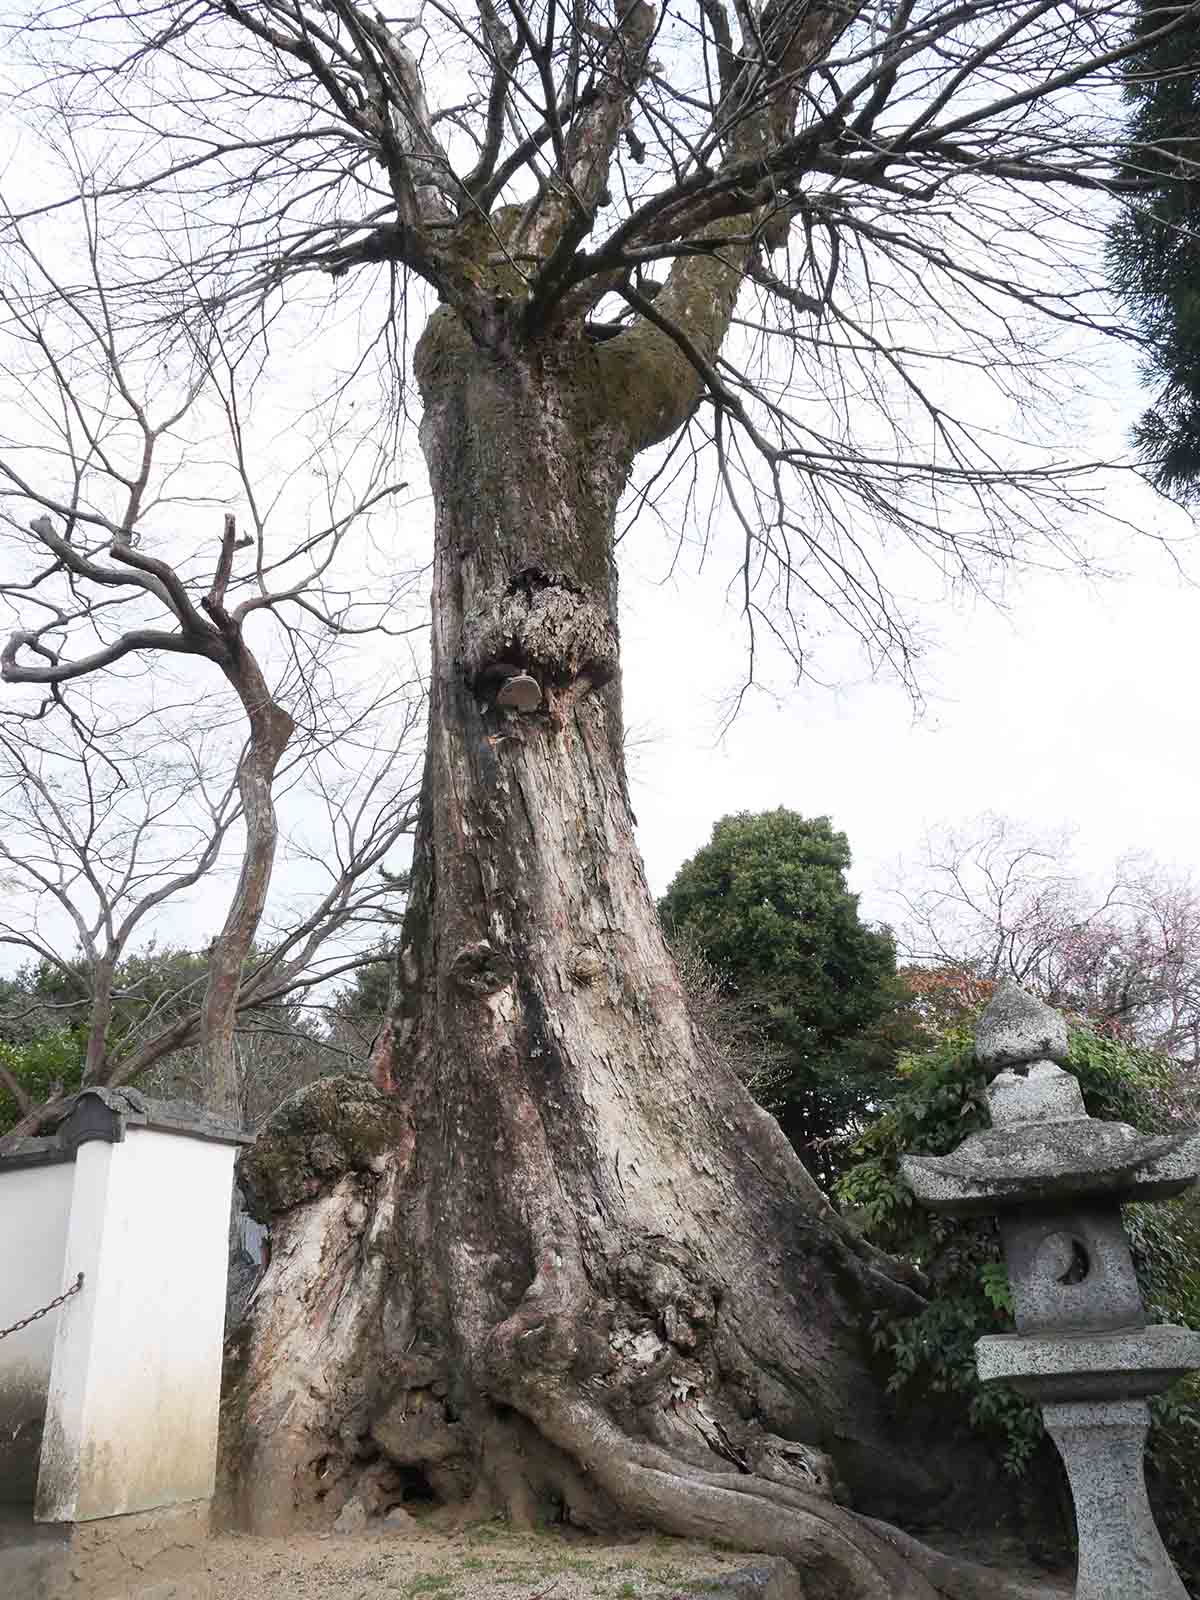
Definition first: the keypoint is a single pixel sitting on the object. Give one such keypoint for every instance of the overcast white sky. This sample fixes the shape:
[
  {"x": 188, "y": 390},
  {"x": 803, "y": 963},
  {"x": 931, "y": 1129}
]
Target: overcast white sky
[{"x": 1074, "y": 705}]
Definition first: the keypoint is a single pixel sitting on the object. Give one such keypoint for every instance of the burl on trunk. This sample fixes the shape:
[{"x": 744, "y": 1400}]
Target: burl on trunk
[{"x": 557, "y": 1260}]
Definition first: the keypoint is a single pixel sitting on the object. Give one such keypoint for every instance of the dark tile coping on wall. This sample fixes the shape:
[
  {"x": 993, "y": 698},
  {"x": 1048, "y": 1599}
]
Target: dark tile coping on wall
[{"x": 106, "y": 1114}]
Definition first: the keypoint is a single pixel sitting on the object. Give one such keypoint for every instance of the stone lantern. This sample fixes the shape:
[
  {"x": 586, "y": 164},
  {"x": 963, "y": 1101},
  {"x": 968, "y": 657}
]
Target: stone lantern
[{"x": 1056, "y": 1180}]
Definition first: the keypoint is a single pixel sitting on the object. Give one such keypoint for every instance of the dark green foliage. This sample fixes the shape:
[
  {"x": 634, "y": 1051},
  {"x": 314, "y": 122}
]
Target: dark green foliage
[
  {"x": 54, "y": 1058},
  {"x": 940, "y": 1100},
  {"x": 1167, "y": 1248},
  {"x": 366, "y": 996},
  {"x": 1154, "y": 247},
  {"x": 39, "y": 998},
  {"x": 360, "y": 1008},
  {"x": 767, "y": 905}
]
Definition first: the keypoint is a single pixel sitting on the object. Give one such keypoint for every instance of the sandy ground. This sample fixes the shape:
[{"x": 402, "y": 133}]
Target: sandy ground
[{"x": 481, "y": 1564}]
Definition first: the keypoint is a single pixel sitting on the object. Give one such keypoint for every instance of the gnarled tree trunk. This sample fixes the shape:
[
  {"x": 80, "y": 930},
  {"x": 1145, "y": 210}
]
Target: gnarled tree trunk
[{"x": 558, "y": 1258}]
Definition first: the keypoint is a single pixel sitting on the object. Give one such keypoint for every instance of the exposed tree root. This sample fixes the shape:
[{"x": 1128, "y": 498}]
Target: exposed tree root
[{"x": 838, "y": 1552}]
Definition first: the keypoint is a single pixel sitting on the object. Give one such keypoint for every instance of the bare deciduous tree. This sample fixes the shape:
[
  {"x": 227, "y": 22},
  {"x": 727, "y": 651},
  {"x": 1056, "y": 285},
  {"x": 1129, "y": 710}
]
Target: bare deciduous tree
[
  {"x": 105, "y": 464},
  {"x": 91, "y": 850},
  {"x": 102, "y": 838},
  {"x": 825, "y": 246}
]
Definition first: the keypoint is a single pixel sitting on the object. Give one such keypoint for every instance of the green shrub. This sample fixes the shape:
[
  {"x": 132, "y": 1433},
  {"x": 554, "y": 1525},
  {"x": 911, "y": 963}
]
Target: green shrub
[{"x": 54, "y": 1057}]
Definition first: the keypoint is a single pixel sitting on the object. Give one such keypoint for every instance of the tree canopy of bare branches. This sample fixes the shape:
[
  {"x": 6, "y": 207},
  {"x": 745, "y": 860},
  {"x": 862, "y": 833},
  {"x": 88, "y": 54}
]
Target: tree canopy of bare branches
[
  {"x": 118, "y": 443},
  {"x": 870, "y": 225}
]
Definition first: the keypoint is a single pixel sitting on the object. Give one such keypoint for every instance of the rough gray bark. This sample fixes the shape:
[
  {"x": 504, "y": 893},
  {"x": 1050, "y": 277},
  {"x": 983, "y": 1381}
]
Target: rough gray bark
[
  {"x": 558, "y": 1260},
  {"x": 101, "y": 1015}
]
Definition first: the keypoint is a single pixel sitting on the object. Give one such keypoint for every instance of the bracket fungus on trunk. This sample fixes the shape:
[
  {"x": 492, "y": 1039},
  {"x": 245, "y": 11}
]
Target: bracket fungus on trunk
[
  {"x": 1056, "y": 1179},
  {"x": 521, "y": 692}
]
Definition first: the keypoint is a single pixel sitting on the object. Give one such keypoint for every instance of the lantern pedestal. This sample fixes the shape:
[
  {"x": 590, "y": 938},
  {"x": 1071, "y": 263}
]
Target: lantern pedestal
[{"x": 1121, "y": 1556}]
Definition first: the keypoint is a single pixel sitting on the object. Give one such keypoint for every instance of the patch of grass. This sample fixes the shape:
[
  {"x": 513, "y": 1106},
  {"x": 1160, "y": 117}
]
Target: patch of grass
[
  {"x": 485, "y": 1532},
  {"x": 502, "y": 1569},
  {"x": 627, "y": 1591},
  {"x": 432, "y": 1583}
]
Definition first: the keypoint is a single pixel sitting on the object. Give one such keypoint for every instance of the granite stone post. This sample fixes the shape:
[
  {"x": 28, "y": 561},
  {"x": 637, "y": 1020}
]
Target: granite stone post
[{"x": 1103, "y": 1445}]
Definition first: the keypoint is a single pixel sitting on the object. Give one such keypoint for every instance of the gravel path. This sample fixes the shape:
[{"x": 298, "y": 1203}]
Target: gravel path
[{"x": 481, "y": 1564}]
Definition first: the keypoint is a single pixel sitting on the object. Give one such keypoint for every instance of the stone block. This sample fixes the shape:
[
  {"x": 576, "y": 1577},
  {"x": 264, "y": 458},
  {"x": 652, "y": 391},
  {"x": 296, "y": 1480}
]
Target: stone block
[
  {"x": 1090, "y": 1366},
  {"x": 1042, "y": 1164},
  {"x": 1121, "y": 1556},
  {"x": 772, "y": 1579},
  {"x": 1070, "y": 1270},
  {"x": 1041, "y": 1092},
  {"x": 1017, "y": 1028}
]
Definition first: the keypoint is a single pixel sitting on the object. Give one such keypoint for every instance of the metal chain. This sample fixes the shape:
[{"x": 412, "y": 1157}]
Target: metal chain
[{"x": 34, "y": 1315}]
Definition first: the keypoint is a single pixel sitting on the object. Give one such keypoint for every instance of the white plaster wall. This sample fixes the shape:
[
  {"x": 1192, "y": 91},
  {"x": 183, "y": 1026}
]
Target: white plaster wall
[
  {"x": 34, "y": 1207},
  {"x": 131, "y": 1419}
]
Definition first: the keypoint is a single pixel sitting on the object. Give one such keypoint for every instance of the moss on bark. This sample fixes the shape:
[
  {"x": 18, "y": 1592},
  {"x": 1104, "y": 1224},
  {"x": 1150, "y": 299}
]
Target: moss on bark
[{"x": 328, "y": 1128}]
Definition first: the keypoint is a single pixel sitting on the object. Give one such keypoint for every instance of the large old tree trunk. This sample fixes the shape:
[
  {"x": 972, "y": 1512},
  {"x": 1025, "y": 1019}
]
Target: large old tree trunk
[{"x": 558, "y": 1260}]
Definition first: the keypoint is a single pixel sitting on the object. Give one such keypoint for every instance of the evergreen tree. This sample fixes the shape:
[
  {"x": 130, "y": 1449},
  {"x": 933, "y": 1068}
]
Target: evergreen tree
[
  {"x": 1154, "y": 247},
  {"x": 767, "y": 904},
  {"x": 360, "y": 1007}
]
